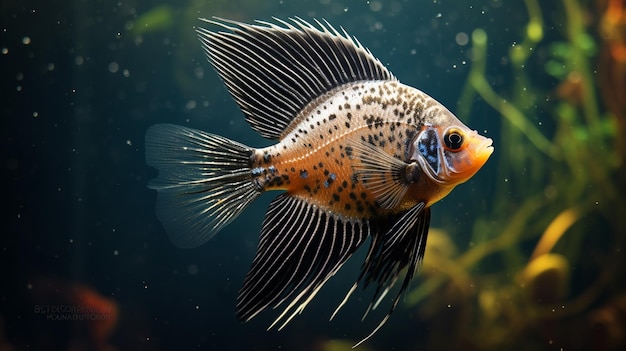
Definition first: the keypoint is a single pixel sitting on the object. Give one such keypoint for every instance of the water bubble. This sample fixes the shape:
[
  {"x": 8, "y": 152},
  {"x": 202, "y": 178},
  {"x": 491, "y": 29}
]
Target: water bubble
[
  {"x": 113, "y": 67},
  {"x": 193, "y": 269},
  {"x": 376, "y": 6},
  {"x": 461, "y": 38},
  {"x": 191, "y": 104}
]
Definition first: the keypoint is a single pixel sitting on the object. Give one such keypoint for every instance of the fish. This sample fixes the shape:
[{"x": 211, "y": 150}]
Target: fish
[{"x": 358, "y": 157}]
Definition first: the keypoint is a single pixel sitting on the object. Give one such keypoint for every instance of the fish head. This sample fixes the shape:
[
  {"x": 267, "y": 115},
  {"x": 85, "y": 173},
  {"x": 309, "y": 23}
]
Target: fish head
[{"x": 449, "y": 152}]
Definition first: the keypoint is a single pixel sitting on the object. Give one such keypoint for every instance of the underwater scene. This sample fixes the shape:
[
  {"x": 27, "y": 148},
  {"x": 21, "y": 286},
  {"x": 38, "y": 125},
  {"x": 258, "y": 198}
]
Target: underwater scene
[{"x": 527, "y": 254}]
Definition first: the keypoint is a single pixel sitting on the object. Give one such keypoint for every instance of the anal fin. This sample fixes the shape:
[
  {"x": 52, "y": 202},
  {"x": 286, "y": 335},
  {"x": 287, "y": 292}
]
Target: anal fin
[{"x": 300, "y": 248}]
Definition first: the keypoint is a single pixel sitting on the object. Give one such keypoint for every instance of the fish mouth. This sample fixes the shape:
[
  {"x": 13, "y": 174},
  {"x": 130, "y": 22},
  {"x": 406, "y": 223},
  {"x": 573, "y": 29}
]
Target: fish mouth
[{"x": 484, "y": 150}]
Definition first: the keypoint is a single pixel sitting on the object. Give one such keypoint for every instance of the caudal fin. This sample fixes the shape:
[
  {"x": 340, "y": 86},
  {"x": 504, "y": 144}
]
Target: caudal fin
[{"x": 204, "y": 181}]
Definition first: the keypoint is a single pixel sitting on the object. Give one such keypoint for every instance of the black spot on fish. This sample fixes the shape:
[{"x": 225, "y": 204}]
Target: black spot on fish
[
  {"x": 331, "y": 117},
  {"x": 349, "y": 151},
  {"x": 378, "y": 122},
  {"x": 355, "y": 179}
]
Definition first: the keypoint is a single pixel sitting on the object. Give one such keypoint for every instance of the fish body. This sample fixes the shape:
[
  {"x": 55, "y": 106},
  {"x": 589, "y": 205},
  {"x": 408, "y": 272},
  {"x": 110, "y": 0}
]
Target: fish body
[
  {"x": 358, "y": 156},
  {"x": 319, "y": 158}
]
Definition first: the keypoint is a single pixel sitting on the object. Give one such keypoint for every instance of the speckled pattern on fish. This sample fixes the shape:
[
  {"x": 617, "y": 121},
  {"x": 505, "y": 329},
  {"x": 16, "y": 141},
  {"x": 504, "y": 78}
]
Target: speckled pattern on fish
[{"x": 358, "y": 156}]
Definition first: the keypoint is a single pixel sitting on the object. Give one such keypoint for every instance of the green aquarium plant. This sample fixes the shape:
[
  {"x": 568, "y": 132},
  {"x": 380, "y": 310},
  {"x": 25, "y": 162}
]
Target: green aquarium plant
[{"x": 554, "y": 226}]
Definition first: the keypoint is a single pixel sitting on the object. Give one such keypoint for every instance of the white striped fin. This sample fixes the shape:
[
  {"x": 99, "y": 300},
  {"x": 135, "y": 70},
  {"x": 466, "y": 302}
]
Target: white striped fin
[
  {"x": 273, "y": 70},
  {"x": 300, "y": 248}
]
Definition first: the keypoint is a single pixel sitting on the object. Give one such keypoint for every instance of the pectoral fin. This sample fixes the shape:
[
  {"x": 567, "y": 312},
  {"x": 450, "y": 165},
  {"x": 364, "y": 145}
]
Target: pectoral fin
[{"x": 386, "y": 176}]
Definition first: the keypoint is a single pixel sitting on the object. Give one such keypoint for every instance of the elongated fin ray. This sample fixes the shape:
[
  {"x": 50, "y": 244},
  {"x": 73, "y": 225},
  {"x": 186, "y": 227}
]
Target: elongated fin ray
[
  {"x": 400, "y": 247},
  {"x": 300, "y": 248},
  {"x": 273, "y": 70},
  {"x": 204, "y": 181}
]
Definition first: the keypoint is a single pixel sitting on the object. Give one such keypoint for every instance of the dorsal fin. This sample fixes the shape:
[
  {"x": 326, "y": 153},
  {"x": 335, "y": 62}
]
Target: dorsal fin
[{"x": 274, "y": 70}]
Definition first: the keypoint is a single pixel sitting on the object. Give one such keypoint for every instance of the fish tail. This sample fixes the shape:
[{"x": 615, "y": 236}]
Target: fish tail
[{"x": 204, "y": 181}]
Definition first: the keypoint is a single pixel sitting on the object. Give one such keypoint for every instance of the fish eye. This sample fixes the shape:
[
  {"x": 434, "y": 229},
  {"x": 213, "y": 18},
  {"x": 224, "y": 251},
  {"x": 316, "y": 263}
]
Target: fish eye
[{"x": 453, "y": 139}]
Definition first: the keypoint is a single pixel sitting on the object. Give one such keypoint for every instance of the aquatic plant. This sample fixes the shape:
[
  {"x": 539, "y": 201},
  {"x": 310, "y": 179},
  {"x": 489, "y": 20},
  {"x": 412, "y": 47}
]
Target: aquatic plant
[{"x": 554, "y": 226}]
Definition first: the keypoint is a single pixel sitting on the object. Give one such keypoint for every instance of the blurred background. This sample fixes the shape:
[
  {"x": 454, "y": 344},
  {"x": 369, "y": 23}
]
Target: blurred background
[{"x": 529, "y": 254}]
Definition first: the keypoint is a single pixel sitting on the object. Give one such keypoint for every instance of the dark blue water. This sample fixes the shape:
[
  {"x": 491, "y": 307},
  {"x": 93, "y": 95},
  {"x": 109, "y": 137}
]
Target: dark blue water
[{"x": 80, "y": 84}]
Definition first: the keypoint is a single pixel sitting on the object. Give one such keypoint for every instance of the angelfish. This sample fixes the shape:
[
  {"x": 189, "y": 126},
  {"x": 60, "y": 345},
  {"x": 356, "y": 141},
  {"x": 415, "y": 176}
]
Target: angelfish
[{"x": 358, "y": 156}]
